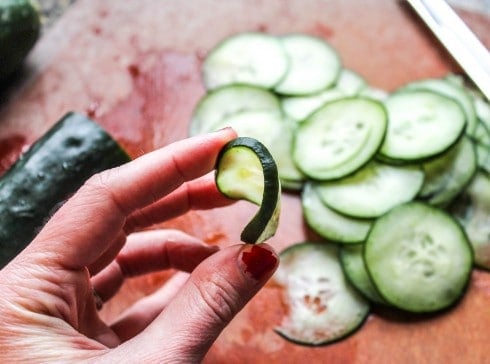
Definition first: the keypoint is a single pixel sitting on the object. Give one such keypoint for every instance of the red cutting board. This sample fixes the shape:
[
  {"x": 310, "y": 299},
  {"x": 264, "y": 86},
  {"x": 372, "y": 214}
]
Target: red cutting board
[{"x": 134, "y": 66}]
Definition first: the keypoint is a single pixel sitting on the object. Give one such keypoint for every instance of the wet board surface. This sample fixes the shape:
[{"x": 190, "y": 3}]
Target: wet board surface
[{"x": 134, "y": 66}]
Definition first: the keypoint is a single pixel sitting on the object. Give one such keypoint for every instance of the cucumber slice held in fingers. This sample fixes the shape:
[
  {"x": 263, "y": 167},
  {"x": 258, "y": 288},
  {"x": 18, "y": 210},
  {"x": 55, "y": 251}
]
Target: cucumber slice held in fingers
[{"x": 247, "y": 171}]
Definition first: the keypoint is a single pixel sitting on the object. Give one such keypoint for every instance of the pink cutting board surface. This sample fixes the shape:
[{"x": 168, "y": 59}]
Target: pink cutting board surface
[{"x": 134, "y": 66}]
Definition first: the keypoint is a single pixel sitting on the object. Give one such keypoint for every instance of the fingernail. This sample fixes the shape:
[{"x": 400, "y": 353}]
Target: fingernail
[{"x": 258, "y": 261}]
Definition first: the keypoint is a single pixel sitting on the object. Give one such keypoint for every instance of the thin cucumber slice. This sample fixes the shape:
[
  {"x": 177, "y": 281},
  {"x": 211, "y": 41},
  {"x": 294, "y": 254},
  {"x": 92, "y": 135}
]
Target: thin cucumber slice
[
  {"x": 246, "y": 170},
  {"x": 218, "y": 105},
  {"x": 472, "y": 209},
  {"x": 313, "y": 65},
  {"x": 323, "y": 306},
  {"x": 300, "y": 107},
  {"x": 250, "y": 58},
  {"x": 350, "y": 82},
  {"x": 272, "y": 130},
  {"x": 372, "y": 190},
  {"x": 374, "y": 93},
  {"x": 330, "y": 224},
  {"x": 447, "y": 175},
  {"x": 352, "y": 260},
  {"x": 422, "y": 124},
  {"x": 452, "y": 90},
  {"x": 481, "y": 140},
  {"x": 418, "y": 257},
  {"x": 339, "y": 138}
]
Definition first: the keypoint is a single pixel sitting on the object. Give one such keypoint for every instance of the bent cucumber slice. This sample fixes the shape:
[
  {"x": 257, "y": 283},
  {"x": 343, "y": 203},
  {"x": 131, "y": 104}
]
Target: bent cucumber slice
[
  {"x": 339, "y": 138},
  {"x": 250, "y": 58},
  {"x": 323, "y": 306},
  {"x": 272, "y": 130},
  {"x": 372, "y": 190},
  {"x": 247, "y": 171},
  {"x": 418, "y": 257}
]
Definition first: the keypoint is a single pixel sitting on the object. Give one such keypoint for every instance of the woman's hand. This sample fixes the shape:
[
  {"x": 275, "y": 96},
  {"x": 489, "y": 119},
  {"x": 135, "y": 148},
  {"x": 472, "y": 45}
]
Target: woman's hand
[{"x": 48, "y": 308}]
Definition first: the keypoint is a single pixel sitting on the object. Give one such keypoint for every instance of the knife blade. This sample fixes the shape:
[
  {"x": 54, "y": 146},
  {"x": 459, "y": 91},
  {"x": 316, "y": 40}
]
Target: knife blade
[{"x": 458, "y": 39}]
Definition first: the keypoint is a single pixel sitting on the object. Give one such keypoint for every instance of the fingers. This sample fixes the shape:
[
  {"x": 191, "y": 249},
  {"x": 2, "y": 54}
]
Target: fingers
[
  {"x": 200, "y": 194},
  {"x": 85, "y": 225},
  {"x": 151, "y": 251},
  {"x": 143, "y": 312},
  {"x": 216, "y": 290}
]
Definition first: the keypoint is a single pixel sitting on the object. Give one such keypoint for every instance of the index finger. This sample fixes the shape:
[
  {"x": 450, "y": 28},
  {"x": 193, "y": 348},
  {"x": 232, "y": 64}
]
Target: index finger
[{"x": 85, "y": 225}]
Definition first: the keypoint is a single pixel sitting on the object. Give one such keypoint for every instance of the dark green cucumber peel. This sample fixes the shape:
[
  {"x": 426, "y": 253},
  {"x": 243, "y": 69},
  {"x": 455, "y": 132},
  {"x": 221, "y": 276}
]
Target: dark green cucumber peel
[
  {"x": 51, "y": 170},
  {"x": 268, "y": 211},
  {"x": 20, "y": 27}
]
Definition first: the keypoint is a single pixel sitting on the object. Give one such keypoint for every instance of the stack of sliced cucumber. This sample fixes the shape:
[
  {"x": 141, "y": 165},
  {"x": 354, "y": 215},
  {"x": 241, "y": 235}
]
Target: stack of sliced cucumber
[{"x": 397, "y": 183}]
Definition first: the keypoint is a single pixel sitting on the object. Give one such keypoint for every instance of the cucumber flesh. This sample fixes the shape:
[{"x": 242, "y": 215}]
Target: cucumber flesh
[
  {"x": 51, "y": 170},
  {"x": 328, "y": 223},
  {"x": 323, "y": 307},
  {"x": 422, "y": 124},
  {"x": 313, "y": 65},
  {"x": 372, "y": 190},
  {"x": 250, "y": 58},
  {"x": 452, "y": 90},
  {"x": 218, "y": 105},
  {"x": 352, "y": 260},
  {"x": 447, "y": 175},
  {"x": 418, "y": 257},
  {"x": 339, "y": 138}
]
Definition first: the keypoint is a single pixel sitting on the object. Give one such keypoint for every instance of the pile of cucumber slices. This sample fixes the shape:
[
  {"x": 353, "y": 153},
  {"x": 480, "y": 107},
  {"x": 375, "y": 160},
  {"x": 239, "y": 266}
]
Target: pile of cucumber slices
[{"x": 397, "y": 183}]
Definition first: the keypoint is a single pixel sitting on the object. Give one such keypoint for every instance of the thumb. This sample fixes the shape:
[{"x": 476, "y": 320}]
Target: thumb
[{"x": 215, "y": 292}]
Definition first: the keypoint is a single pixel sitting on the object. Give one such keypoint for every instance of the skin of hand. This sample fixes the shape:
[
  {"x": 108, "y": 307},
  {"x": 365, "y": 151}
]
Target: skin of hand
[{"x": 48, "y": 309}]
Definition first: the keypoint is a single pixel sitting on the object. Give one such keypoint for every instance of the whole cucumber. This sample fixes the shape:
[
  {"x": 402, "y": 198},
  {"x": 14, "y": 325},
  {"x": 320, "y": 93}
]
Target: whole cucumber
[{"x": 49, "y": 172}]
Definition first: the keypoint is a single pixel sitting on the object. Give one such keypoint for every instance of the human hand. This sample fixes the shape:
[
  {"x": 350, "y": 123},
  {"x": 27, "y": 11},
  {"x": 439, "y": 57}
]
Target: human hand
[{"x": 47, "y": 306}]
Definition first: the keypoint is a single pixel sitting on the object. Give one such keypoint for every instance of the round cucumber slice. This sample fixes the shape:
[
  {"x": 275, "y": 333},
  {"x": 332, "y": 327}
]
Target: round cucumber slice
[
  {"x": 250, "y": 58},
  {"x": 323, "y": 306},
  {"x": 313, "y": 65},
  {"x": 422, "y": 124},
  {"x": 220, "y": 104},
  {"x": 372, "y": 190},
  {"x": 339, "y": 138},
  {"x": 328, "y": 223},
  {"x": 418, "y": 257}
]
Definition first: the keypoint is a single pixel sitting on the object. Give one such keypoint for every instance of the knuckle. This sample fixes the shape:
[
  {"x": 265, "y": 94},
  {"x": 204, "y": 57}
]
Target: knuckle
[{"x": 220, "y": 298}]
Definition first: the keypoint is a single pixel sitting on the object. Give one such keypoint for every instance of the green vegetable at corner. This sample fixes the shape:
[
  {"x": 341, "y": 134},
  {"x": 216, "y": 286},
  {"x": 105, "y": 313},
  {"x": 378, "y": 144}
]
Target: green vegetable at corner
[
  {"x": 51, "y": 170},
  {"x": 247, "y": 171},
  {"x": 20, "y": 26}
]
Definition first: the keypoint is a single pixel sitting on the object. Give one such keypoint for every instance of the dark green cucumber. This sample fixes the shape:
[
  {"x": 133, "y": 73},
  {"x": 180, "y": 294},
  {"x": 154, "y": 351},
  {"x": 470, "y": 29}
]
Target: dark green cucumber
[
  {"x": 247, "y": 171},
  {"x": 20, "y": 26},
  {"x": 51, "y": 170}
]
